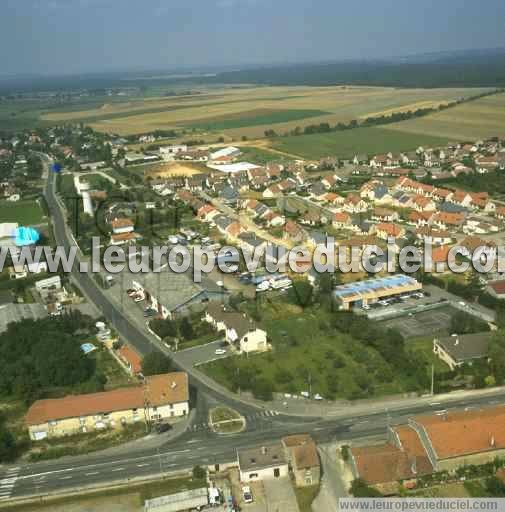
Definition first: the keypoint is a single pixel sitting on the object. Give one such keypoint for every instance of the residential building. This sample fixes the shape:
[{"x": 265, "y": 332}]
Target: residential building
[
  {"x": 240, "y": 331},
  {"x": 303, "y": 460},
  {"x": 496, "y": 289},
  {"x": 459, "y": 349},
  {"x": 160, "y": 397},
  {"x": 262, "y": 463},
  {"x": 130, "y": 358}
]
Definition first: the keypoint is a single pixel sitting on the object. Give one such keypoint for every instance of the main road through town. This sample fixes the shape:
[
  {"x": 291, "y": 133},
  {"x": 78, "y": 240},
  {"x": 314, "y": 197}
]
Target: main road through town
[{"x": 198, "y": 445}]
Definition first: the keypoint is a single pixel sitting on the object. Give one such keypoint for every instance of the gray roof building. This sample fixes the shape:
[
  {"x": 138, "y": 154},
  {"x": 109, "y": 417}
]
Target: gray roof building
[
  {"x": 263, "y": 457},
  {"x": 459, "y": 349}
]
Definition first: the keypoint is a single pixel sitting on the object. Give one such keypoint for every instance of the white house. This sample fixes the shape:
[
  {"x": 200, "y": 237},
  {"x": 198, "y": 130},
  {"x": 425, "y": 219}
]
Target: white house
[
  {"x": 240, "y": 331},
  {"x": 265, "y": 462}
]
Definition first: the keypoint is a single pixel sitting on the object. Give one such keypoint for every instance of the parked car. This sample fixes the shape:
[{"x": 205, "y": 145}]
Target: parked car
[
  {"x": 162, "y": 427},
  {"x": 220, "y": 352},
  {"x": 247, "y": 494}
]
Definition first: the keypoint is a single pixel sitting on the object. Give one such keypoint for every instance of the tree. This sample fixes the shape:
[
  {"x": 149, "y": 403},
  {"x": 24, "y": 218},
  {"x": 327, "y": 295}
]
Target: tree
[
  {"x": 199, "y": 473},
  {"x": 262, "y": 389},
  {"x": 164, "y": 327},
  {"x": 360, "y": 489},
  {"x": 8, "y": 448},
  {"x": 186, "y": 329},
  {"x": 301, "y": 292},
  {"x": 156, "y": 363}
]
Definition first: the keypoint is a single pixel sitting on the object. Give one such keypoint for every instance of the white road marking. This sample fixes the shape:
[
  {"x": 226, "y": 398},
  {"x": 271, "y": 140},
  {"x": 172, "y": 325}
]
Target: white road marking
[
  {"x": 118, "y": 469},
  {"x": 143, "y": 465},
  {"x": 92, "y": 473},
  {"x": 65, "y": 477}
]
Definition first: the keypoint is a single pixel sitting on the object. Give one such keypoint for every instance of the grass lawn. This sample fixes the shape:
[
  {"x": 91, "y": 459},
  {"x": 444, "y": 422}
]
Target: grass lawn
[
  {"x": 106, "y": 364},
  {"x": 305, "y": 496},
  {"x": 257, "y": 155},
  {"x": 346, "y": 144},
  {"x": 24, "y": 213},
  {"x": 423, "y": 346},
  {"x": 223, "y": 414},
  {"x": 306, "y": 347}
]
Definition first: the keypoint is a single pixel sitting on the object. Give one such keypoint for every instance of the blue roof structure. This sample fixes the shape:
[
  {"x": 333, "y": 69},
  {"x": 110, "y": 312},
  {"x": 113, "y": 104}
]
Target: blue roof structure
[
  {"x": 25, "y": 236},
  {"x": 88, "y": 348},
  {"x": 370, "y": 285}
]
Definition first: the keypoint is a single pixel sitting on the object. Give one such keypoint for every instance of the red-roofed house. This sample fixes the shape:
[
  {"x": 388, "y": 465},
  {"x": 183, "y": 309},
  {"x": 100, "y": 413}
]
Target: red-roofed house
[{"x": 387, "y": 230}]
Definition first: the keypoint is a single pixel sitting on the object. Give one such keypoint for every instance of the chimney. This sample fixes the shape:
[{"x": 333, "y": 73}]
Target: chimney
[
  {"x": 173, "y": 385},
  {"x": 263, "y": 450},
  {"x": 492, "y": 442}
]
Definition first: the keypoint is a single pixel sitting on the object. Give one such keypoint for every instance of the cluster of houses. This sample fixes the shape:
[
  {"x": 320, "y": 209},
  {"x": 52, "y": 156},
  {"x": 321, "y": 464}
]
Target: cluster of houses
[
  {"x": 428, "y": 444},
  {"x": 441, "y": 163}
]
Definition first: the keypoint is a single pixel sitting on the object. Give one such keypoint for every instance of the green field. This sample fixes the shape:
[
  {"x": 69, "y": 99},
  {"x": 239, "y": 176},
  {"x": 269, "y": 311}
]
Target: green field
[
  {"x": 347, "y": 143},
  {"x": 307, "y": 347},
  {"x": 257, "y": 117},
  {"x": 22, "y": 212},
  {"x": 484, "y": 117},
  {"x": 259, "y": 156},
  {"x": 248, "y": 111}
]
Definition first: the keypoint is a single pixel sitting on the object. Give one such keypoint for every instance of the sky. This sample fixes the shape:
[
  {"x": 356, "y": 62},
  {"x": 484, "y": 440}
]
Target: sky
[{"x": 58, "y": 37}]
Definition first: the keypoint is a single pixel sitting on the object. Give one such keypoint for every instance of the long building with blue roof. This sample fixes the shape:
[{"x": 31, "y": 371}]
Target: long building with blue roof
[{"x": 360, "y": 293}]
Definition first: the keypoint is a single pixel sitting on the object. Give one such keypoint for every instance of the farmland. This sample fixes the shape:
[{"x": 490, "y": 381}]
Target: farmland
[
  {"x": 249, "y": 111},
  {"x": 481, "y": 118},
  {"x": 346, "y": 144}
]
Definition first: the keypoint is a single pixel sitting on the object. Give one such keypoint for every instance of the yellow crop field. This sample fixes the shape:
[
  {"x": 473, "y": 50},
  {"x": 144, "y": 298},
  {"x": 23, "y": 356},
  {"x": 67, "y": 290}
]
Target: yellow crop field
[
  {"x": 249, "y": 111},
  {"x": 481, "y": 118}
]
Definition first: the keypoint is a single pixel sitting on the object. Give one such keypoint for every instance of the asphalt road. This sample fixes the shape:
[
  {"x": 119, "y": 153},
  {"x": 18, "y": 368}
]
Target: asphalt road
[
  {"x": 203, "y": 447},
  {"x": 199, "y": 445}
]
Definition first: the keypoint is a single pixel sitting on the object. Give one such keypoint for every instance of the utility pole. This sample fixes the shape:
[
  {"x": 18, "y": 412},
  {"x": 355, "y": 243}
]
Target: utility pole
[{"x": 159, "y": 459}]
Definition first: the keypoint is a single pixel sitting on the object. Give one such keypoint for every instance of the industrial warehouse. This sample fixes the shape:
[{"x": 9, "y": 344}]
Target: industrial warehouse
[{"x": 362, "y": 293}]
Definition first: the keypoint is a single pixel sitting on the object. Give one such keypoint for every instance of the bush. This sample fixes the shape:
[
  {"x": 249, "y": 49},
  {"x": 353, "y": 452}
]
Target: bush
[
  {"x": 156, "y": 363},
  {"x": 262, "y": 389},
  {"x": 199, "y": 473}
]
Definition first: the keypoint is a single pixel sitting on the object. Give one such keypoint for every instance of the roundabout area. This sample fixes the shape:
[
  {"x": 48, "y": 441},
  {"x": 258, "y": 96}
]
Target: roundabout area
[{"x": 224, "y": 420}]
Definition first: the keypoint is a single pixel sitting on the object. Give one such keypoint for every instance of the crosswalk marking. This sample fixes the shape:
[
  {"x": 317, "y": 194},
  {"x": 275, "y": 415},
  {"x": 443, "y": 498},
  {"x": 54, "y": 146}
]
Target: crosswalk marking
[
  {"x": 262, "y": 414},
  {"x": 8, "y": 482}
]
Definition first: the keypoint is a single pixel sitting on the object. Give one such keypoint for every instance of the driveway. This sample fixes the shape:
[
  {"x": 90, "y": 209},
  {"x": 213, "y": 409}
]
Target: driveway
[
  {"x": 204, "y": 353},
  {"x": 333, "y": 481},
  {"x": 280, "y": 495}
]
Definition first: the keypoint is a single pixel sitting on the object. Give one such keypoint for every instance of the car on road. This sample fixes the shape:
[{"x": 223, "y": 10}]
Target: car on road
[
  {"x": 461, "y": 303},
  {"x": 317, "y": 396},
  {"x": 384, "y": 303},
  {"x": 247, "y": 494},
  {"x": 220, "y": 352},
  {"x": 365, "y": 306}
]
